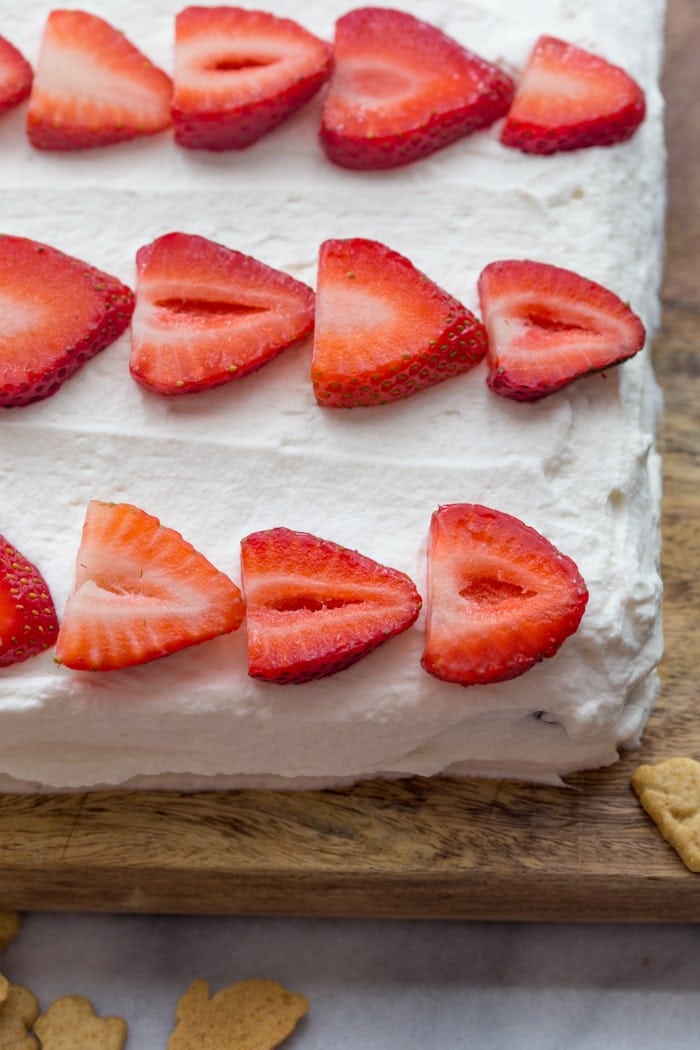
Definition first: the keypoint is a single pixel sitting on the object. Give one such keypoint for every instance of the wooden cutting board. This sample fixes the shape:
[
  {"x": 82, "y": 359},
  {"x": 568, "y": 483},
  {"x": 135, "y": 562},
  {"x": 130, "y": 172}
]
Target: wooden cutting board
[{"x": 430, "y": 848}]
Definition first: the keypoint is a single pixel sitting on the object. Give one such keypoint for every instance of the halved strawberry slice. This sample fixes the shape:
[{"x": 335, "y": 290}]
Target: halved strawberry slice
[
  {"x": 569, "y": 99},
  {"x": 93, "y": 87},
  {"x": 401, "y": 89},
  {"x": 15, "y": 75},
  {"x": 314, "y": 608},
  {"x": 141, "y": 592},
  {"x": 239, "y": 73},
  {"x": 501, "y": 597},
  {"x": 56, "y": 312},
  {"x": 206, "y": 314},
  {"x": 28, "y": 621},
  {"x": 548, "y": 326},
  {"x": 383, "y": 330}
]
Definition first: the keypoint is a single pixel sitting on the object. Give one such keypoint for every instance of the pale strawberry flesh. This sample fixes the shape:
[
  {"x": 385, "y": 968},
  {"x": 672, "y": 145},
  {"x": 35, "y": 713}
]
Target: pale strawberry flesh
[
  {"x": 28, "y": 621},
  {"x": 141, "y": 593},
  {"x": 571, "y": 99},
  {"x": 239, "y": 74},
  {"x": 501, "y": 597},
  {"x": 15, "y": 76},
  {"x": 383, "y": 330},
  {"x": 56, "y": 312},
  {"x": 206, "y": 315},
  {"x": 93, "y": 87},
  {"x": 314, "y": 607},
  {"x": 401, "y": 89},
  {"x": 548, "y": 326}
]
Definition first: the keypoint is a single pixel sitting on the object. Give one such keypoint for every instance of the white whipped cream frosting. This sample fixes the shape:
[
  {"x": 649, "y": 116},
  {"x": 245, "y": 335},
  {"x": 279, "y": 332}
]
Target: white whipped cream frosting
[{"x": 579, "y": 466}]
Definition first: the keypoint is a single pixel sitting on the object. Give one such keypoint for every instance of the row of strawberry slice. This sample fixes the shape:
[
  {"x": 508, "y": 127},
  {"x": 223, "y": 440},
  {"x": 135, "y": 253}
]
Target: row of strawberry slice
[
  {"x": 398, "y": 87},
  {"x": 205, "y": 315},
  {"x": 500, "y": 599}
]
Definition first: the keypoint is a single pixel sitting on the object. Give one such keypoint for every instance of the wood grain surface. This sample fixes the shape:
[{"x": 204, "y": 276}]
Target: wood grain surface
[{"x": 430, "y": 848}]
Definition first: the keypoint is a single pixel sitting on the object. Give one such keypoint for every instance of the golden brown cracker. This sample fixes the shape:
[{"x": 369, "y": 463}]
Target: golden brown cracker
[
  {"x": 9, "y": 926},
  {"x": 249, "y": 1015},
  {"x": 70, "y": 1023},
  {"x": 4, "y": 989},
  {"x": 670, "y": 793},
  {"x": 18, "y": 1013}
]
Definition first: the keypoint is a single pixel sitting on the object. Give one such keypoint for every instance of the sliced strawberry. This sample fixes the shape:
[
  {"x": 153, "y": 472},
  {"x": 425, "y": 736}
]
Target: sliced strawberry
[
  {"x": 56, "y": 312},
  {"x": 547, "y": 327},
  {"x": 206, "y": 314},
  {"x": 383, "y": 330},
  {"x": 15, "y": 75},
  {"x": 569, "y": 98},
  {"x": 239, "y": 73},
  {"x": 500, "y": 596},
  {"x": 28, "y": 622},
  {"x": 314, "y": 608},
  {"x": 93, "y": 87},
  {"x": 401, "y": 89},
  {"x": 141, "y": 592}
]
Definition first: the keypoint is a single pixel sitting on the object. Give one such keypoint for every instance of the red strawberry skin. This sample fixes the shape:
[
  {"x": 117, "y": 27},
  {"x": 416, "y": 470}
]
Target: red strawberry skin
[
  {"x": 15, "y": 76},
  {"x": 64, "y": 312},
  {"x": 501, "y": 597},
  {"x": 384, "y": 331},
  {"x": 548, "y": 326},
  {"x": 401, "y": 89},
  {"x": 571, "y": 99},
  {"x": 239, "y": 74},
  {"x": 141, "y": 592},
  {"x": 93, "y": 87},
  {"x": 206, "y": 315},
  {"x": 28, "y": 621},
  {"x": 314, "y": 607}
]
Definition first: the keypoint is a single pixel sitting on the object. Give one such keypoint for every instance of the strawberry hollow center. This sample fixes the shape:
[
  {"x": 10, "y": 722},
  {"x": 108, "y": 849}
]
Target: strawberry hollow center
[
  {"x": 308, "y": 603},
  {"x": 208, "y": 306},
  {"x": 490, "y": 591},
  {"x": 552, "y": 324},
  {"x": 228, "y": 65}
]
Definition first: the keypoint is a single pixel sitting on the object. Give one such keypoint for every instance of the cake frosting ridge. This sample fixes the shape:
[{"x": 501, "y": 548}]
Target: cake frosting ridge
[{"x": 580, "y": 466}]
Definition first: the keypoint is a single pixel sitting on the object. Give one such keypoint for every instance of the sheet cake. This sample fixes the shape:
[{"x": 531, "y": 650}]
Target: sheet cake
[{"x": 580, "y": 466}]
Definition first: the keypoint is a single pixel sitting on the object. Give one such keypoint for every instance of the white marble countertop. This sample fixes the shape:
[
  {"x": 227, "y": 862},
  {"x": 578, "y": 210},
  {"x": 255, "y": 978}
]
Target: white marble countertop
[{"x": 380, "y": 985}]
